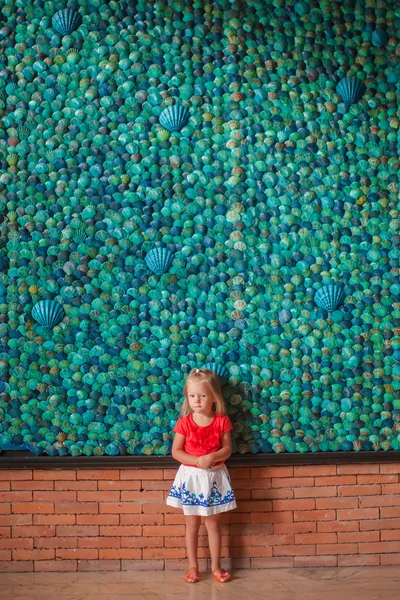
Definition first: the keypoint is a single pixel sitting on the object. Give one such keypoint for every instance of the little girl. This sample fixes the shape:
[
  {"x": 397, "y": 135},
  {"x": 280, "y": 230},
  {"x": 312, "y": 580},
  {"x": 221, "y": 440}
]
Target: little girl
[{"x": 202, "y": 485}]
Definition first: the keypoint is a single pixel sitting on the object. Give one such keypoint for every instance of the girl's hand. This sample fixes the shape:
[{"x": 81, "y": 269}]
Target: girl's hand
[{"x": 205, "y": 462}]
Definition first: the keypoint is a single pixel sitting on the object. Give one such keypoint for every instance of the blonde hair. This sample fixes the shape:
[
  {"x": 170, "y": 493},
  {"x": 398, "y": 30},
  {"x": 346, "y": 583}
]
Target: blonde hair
[{"x": 209, "y": 377}]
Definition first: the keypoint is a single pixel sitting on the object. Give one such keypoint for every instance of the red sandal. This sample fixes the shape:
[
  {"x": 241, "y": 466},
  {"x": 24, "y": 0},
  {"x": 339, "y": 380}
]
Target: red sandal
[
  {"x": 192, "y": 575},
  {"x": 221, "y": 575}
]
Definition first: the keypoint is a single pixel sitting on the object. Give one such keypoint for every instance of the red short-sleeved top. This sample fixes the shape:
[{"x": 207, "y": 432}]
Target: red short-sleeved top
[{"x": 202, "y": 440}]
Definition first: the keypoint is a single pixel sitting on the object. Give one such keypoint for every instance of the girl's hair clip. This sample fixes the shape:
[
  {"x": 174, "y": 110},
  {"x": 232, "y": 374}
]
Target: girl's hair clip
[{"x": 197, "y": 371}]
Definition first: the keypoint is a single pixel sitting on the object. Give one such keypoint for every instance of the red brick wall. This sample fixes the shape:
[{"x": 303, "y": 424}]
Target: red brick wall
[{"x": 116, "y": 519}]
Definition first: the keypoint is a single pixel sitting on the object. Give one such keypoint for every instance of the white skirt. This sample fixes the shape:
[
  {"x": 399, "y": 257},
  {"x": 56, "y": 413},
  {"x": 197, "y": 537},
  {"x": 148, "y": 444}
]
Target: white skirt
[{"x": 202, "y": 491}]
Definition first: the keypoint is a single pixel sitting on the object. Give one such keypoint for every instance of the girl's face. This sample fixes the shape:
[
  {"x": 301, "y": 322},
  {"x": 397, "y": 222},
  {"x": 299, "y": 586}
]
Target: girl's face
[{"x": 200, "y": 397}]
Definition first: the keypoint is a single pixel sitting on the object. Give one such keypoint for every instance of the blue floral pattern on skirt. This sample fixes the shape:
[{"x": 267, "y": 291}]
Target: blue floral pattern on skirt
[{"x": 213, "y": 498}]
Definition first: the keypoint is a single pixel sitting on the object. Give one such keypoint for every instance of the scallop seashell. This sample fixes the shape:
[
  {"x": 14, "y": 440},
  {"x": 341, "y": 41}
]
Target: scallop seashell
[
  {"x": 174, "y": 118},
  {"x": 48, "y": 313},
  {"x": 351, "y": 89},
  {"x": 379, "y": 38},
  {"x": 330, "y": 297},
  {"x": 66, "y": 20},
  {"x": 159, "y": 260},
  {"x": 220, "y": 370}
]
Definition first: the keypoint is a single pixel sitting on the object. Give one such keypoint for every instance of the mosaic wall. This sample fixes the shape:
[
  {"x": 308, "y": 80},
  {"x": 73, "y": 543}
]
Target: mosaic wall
[{"x": 189, "y": 183}]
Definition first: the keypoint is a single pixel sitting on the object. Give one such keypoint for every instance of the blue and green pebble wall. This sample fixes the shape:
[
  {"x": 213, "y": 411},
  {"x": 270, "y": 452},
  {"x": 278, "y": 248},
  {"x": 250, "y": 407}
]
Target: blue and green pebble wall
[{"x": 192, "y": 183}]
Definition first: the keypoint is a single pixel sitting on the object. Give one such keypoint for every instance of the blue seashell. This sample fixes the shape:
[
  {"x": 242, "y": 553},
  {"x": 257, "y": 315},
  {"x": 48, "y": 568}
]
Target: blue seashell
[
  {"x": 351, "y": 89},
  {"x": 220, "y": 370},
  {"x": 330, "y": 297},
  {"x": 174, "y": 117},
  {"x": 66, "y": 20},
  {"x": 284, "y": 316},
  {"x": 159, "y": 260},
  {"x": 2, "y": 386},
  {"x": 379, "y": 38},
  {"x": 48, "y": 313}
]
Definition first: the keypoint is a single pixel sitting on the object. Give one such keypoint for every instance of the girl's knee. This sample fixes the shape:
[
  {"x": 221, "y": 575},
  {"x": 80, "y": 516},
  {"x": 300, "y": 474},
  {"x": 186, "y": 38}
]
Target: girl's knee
[{"x": 212, "y": 522}]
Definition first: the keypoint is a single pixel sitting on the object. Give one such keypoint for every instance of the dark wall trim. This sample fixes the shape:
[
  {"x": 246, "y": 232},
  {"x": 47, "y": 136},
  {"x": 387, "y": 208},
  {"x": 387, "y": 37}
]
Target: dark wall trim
[{"x": 26, "y": 460}]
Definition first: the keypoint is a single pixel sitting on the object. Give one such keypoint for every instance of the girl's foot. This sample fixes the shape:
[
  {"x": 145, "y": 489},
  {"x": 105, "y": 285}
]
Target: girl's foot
[
  {"x": 192, "y": 575},
  {"x": 221, "y": 575}
]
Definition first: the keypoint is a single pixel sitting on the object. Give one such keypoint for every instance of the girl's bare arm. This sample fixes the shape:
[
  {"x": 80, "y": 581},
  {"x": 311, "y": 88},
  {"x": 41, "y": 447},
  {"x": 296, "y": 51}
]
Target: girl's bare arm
[{"x": 178, "y": 452}]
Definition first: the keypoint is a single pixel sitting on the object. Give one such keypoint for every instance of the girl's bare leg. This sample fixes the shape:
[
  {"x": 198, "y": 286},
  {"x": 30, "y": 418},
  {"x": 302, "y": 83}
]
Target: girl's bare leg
[
  {"x": 214, "y": 541},
  {"x": 192, "y": 540}
]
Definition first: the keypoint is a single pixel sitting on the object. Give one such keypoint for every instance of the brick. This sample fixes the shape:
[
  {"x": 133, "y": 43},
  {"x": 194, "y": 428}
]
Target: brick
[
  {"x": 269, "y": 494},
  {"x": 77, "y": 508},
  {"x": 97, "y": 519},
  {"x": 54, "y": 519},
  {"x": 126, "y": 485},
  {"x": 163, "y": 530},
  {"x": 6, "y": 520},
  {"x": 249, "y": 552},
  {"x": 271, "y": 472},
  {"x": 252, "y": 529},
  {"x": 272, "y": 563},
  {"x": 145, "y": 565},
  {"x": 359, "y": 490},
  {"x": 32, "y": 485},
  {"x": 325, "y": 503},
  {"x": 99, "y": 565},
  {"x": 103, "y": 496},
  {"x": 44, "y": 496},
  {"x": 34, "y": 531},
  {"x": 315, "y": 470},
  {"x": 386, "y": 536},
  {"x": 391, "y": 488},
  {"x": 5, "y": 532},
  {"x": 97, "y": 474},
  {"x": 336, "y": 480},
  {"x": 11, "y": 566},
  {"x": 390, "y": 512},
  {"x": 315, "y": 561},
  {"x": 132, "y": 496},
  {"x": 252, "y": 484},
  {"x": 380, "y": 501},
  {"x": 272, "y": 540},
  {"x": 358, "y": 536},
  {"x": 142, "y": 474},
  {"x": 55, "y": 542},
  {"x": 15, "y": 474},
  {"x": 11, "y": 543},
  {"x": 5, "y": 555},
  {"x": 292, "y": 482},
  {"x": 5, "y": 486},
  {"x": 34, "y": 554},
  {"x": 337, "y": 548},
  {"x": 300, "y": 550},
  {"x": 385, "y": 469},
  {"x": 32, "y": 508},
  {"x": 314, "y": 515},
  {"x": 151, "y": 519},
  {"x": 54, "y": 474},
  {"x": 5, "y": 509},
  {"x": 56, "y": 566},
  {"x": 389, "y": 559},
  {"x": 335, "y": 526},
  {"x": 315, "y": 492},
  {"x": 149, "y": 542},
  {"x": 380, "y": 547},
  {"x": 370, "y": 479},
  {"x": 120, "y": 553},
  {"x": 356, "y": 560},
  {"x": 16, "y": 496},
  {"x": 306, "y": 527},
  {"x": 380, "y": 524},
  {"x": 119, "y": 508},
  {"x": 357, "y": 514},
  {"x": 77, "y": 553},
  {"x": 99, "y": 542},
  {"x": 75, "y": 485},
  {"x": 239, "y": 473},
  {"x": 279, "y": 517},
  {"x": 77, "y": 530},
  {"x": 122, "y": 531},
  {"x": 316, "y": 538},
  {"x": 298, "y": 504},
  {"x": 358, "y": 469}
]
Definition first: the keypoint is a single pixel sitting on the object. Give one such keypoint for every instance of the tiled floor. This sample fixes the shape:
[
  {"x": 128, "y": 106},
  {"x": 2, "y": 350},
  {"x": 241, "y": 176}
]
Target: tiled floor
[{"x": 367, "y": 583}]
